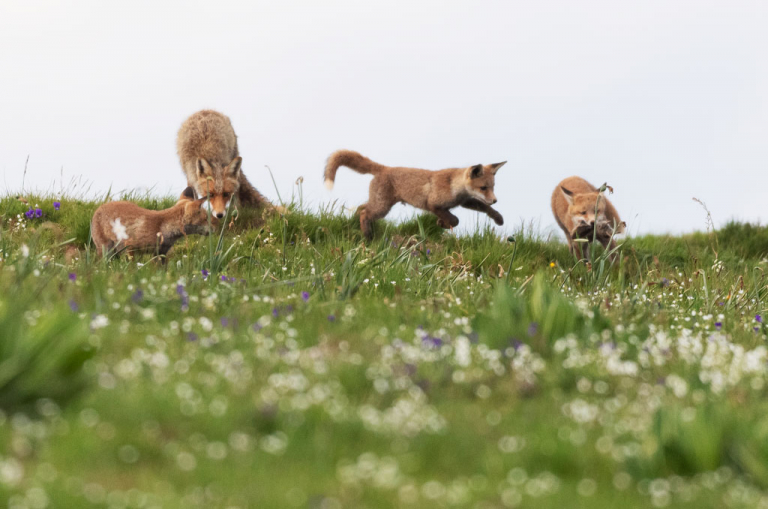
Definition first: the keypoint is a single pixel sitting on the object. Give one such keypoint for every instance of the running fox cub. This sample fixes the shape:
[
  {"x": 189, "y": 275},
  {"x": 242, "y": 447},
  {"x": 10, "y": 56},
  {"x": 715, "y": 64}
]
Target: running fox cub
[
  {"x": 121, "y": 225},
  {"x": 580, "y": 209},
  {"x": 434, "y": 191},
  {"x": 207, "y": 147}
]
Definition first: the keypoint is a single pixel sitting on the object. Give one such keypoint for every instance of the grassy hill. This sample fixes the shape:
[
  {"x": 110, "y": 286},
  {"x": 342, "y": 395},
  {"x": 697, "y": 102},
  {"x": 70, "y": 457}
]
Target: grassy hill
[{"x": 285, "y": 363}]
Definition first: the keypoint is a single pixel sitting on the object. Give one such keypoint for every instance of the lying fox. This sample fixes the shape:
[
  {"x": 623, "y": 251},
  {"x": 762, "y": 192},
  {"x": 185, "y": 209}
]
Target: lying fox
[
  {"x": 207, "y": 147},
  {"x": 119, "y": 225},
  {"x": 433, "y": 191},
  {"x": 580, "y": 210}
]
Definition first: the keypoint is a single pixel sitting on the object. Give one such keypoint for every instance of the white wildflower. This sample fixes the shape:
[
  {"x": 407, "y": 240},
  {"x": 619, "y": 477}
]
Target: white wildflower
[{"x": 99, "y": 322}]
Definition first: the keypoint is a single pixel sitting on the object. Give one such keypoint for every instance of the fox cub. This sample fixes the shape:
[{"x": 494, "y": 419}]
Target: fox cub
[
  {"x": 584, "y": 213},
  {"x": 434, "y": 191},
  {"x": 121, "y": 225},
  {"x": 207, "y": 147}
]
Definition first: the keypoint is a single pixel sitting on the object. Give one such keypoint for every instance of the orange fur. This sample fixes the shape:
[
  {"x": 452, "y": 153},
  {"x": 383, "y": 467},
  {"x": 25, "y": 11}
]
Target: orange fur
[
  {"x": 579, "y": 208},
  {"x": 434, "y": 191},
  {"x": 207, "y": 148},
  {"x": 148, "y": 230}
]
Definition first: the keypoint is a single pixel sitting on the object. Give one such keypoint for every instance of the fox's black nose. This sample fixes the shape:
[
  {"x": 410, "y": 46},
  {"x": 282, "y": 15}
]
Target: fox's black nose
[
  {"x": 495, "y": 200},
  {"x": 219, "y": 214},
  {"x": 592, "y": 223}
]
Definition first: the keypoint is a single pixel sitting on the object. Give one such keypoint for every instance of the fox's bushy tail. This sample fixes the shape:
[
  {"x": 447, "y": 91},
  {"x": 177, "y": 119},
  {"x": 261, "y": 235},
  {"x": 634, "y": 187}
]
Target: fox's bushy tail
[{"x": 352, "y": 160}]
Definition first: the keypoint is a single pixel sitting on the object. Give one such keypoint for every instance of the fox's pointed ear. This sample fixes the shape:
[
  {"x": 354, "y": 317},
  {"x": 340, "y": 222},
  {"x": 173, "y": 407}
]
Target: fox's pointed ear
[
  {"x": 475, "y": 171},
  {"x": 568, "y": 195},
  {"x": 495, "y": 167},
  {"x": 203, "y": 167},
  {"x": 188, "y": 194},
  {"x": 234, "y": 167}
]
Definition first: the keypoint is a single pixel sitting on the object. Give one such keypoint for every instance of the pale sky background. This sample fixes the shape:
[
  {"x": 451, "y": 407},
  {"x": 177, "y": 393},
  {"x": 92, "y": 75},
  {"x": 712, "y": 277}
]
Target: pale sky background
[{"x": 664, "y": 100}]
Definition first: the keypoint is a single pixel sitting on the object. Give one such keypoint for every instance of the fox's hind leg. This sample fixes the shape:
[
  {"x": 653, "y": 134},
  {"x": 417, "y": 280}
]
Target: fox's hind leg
[
  {"x": 380, "y": 202},
  {"x": 371, "y": 212}
]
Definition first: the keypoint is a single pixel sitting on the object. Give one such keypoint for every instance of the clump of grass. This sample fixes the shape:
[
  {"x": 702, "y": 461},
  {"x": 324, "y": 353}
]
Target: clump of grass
[
  {"x": 40, "y": 356},
  {"x": 536, "y": 314}
]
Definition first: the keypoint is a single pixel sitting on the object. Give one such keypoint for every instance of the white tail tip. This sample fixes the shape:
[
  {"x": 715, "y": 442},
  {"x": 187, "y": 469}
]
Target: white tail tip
[{"x": 328, "y": 184}]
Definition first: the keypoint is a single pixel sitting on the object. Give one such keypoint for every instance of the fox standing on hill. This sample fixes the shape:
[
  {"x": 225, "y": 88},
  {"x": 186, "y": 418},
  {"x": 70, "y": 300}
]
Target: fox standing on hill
[
  {"x": 434, "y": 191},
  {"x": 207, "y": 147},
  {"x": 580, "y": 210},
  {"x": 121, "y": 225}
]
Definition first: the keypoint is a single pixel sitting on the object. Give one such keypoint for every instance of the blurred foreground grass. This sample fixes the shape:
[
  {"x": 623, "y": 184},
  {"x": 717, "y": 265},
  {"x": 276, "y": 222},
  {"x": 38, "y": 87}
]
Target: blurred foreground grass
[{"x": 296, "y": 366}]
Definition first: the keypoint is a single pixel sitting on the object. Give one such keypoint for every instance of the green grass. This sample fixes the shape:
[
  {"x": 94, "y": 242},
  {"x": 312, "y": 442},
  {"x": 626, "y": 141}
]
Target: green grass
[{"x": 421, "y": 369}]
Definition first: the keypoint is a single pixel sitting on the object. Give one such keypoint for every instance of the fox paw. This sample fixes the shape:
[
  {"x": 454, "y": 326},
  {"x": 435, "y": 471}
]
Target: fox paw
[
  {"x": 454, "y": 222},
  {"x": 498, "y": 219}
]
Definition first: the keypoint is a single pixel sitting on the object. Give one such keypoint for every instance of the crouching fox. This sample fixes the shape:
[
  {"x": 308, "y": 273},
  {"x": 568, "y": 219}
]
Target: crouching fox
[
  {"x": 207, "y": 148},
  {"x": 119, "y": 225},
  {"x": 433, "y": 191},
  {"x": 584, "y": 213}
]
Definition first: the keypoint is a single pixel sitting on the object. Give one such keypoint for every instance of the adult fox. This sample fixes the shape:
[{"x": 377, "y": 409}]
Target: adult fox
[
  {"x": 433, "y": 191},
  {"x": 207, "y": 148},
  {"x": 580, "y": 210}
]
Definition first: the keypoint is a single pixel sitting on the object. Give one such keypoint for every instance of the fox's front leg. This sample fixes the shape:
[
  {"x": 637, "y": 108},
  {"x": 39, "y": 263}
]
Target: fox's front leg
[
  {"x": 482, "y": 207},
  {"x": 445, "y": 219}
]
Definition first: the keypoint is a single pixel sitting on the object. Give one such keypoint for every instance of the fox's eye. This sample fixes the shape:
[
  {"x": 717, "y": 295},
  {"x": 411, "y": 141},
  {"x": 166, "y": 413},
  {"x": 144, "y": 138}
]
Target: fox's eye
[
  {"x": 583, "y": 212},
  {"x": 484, "y": 188}
]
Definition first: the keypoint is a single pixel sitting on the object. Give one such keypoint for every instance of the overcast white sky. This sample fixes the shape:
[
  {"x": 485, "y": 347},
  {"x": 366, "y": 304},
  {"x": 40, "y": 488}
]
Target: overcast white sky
[{"x": 664, "y": 100}]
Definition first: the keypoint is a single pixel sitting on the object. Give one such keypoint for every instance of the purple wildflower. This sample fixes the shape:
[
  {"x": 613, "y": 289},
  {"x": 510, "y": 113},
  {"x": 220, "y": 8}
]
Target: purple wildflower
[
  {"x": 758, "y": 319},
  {"x": 516, "y": 343},
  {"x": 256, "y": 327},
  {"x": 224, "y": 322},
  {"x": 431, "y": 341},
  {"x": 191, "y": 336},
  {"x": 533, "y": 328},
  {"x": 30, "y": 214},
  {"x": 56, "y": 205},
  {"x": 73, "y": 306},
  {"x": 205, "y": 273},
  {"x": 137, "y": 296},
  {"x": 275, "y": 312},
  {"x": 224, "y": 278},
  {"x": 184, "y": 297},
  {"x": 664, "y": 282},
  {"x": 331, "y": 318},
  {"x": 38, "y": 213},
  {"x": 305, "y": 296},
  {"x": 72, "y": 277},
  {"x": 756, "y": 329},
  {"x": 429, "y": 251},
  {"x": 718, "y": 325}
]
